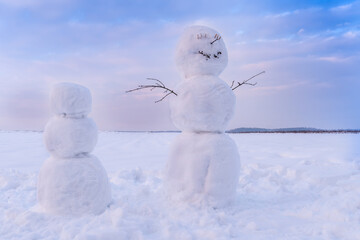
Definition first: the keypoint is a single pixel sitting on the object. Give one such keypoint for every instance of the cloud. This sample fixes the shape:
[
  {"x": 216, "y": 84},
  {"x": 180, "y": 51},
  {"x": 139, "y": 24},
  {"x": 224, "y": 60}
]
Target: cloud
[
  {"x": 352, "y": 34},
  {"x": 22, "y": 3},
  {"x": 108, "y": 70},
  {"x": 342, "y": 8},
  {"x": 309, "y": 52},
  {"x": 332, "y": 59}
]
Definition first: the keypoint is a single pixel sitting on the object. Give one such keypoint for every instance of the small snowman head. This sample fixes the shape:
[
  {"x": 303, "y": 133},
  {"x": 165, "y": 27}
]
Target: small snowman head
[
  {"x": 201, "y": 51},
  {"x": 70, "y": 100}
]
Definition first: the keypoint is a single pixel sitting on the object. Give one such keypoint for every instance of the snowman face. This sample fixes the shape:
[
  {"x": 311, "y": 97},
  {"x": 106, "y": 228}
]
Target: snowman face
[{"x": 201, "y": 51}]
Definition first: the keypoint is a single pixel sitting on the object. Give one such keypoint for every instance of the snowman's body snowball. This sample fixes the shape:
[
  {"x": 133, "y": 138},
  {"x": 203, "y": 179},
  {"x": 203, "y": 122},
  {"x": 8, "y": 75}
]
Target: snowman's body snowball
[
  {"x": 70, "y": 99},
  {"x": 204, "y": 166},
  {"x": 73, "y": 186},
  {"x": 69, "y": 137},
  {"x": 204, "y": 103}
]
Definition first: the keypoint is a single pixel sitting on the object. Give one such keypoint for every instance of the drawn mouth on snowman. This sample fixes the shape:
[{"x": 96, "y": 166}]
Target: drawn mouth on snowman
[{"x": 209, "y": 56}]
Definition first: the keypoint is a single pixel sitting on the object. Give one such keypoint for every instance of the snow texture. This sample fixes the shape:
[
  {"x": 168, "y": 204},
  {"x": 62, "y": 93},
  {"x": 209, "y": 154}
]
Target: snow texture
[
  {"x": 73, "y": 186},
  {"x": 203, "y": 104},
  {"x": 291, "y": 186},
  {"x": 203, "y": 167},
  {"x": 70, "y": 100},
  {"x": 200, "y": 53},
  {"x": 70, "y": 137}
]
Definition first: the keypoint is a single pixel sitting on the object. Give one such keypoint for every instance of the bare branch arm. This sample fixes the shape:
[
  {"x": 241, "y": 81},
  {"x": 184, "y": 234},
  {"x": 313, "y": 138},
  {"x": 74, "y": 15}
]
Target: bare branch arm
[
  {"x": 163, "y": 97},
  {"x": 246, "y": 82},
  {"x": 158, "y": 84}
]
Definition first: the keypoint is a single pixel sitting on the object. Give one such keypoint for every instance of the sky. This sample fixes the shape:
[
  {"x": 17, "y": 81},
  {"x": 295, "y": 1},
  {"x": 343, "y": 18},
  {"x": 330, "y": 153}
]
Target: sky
[{"x": 310, "y": 51}]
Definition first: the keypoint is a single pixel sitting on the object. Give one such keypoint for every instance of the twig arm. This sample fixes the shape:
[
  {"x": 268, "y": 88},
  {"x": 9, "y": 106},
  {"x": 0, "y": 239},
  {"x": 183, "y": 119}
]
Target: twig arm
[
  {"x": 158, "y": 84},
  {"x": 246, "y": 82}
]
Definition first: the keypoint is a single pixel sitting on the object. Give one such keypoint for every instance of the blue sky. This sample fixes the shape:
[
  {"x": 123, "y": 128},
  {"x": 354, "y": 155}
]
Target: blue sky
[{"x": 310, "y": 51}]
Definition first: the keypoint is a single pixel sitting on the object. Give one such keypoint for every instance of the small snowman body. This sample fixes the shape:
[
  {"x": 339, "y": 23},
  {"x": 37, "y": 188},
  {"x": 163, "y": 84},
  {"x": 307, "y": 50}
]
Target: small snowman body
[
  {"x": 204, "y": 163},
  {"x": 72, "y": 181}
]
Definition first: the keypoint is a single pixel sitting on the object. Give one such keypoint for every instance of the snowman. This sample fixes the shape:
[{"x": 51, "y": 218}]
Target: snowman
[
  {"x": 204, "y": 163},
  {"x": 72, "y": 181}
]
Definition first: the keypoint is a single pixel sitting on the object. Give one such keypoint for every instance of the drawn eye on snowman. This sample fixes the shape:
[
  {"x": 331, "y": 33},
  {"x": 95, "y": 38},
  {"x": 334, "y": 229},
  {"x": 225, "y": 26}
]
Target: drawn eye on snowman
[
  {"x": 208, "y": 56},
  {"x": 217, "y": 37},
  {"x": 202, "y": 35}
]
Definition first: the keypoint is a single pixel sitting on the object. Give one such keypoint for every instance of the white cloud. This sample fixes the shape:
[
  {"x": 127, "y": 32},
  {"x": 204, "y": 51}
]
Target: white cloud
[
  {"x": 21, "y": 3},
  {"x": 279, "y": 15},
  {"x": 333, "y": 59},
  {"x": 342, "y": 7},
  {"x": 32, "y": 3},
  {"x": 352, "y": 34}
]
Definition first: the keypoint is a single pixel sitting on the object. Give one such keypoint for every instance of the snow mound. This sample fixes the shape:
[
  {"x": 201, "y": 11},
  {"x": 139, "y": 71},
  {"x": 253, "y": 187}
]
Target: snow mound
[
  {"x": 73, "y": 186},
  {"x": 69, "y": 137},
  {"x": 203, "y": 104},
  {"x": 203, "y": 167},
  {"x": 70, "y": 99},
  {"x": 201, "y": 51}
]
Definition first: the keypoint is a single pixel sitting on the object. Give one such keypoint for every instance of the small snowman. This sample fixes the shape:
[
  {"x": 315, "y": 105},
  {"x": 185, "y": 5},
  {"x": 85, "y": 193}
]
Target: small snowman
[
  {"x": 72, "y": 181},
  {"x": 204, "y": 162}
]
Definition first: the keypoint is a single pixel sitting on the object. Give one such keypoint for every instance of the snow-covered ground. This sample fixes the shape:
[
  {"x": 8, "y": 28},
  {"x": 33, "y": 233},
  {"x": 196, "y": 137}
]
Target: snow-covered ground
[{"x": 292, "y": 186}]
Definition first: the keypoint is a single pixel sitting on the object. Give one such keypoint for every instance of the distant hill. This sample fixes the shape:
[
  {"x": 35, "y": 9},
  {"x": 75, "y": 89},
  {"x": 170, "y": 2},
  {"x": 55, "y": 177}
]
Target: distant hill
[
  {"x": 291, "y": 130},
  {"x": 236, "y": 130}
]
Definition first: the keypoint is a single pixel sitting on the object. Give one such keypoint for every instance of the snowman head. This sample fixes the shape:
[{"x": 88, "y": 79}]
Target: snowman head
[
  {"x": 201, "y": 51},
  {"x": 70, "y": 100}
]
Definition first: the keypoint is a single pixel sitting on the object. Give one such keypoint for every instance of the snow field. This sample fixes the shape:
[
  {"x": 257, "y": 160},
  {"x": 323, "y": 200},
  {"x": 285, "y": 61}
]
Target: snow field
[{"x": 291, "y": 186}]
